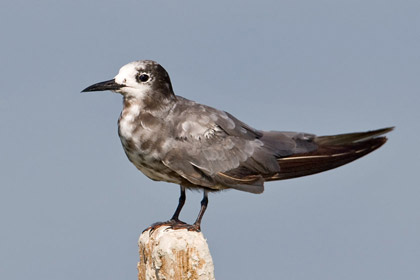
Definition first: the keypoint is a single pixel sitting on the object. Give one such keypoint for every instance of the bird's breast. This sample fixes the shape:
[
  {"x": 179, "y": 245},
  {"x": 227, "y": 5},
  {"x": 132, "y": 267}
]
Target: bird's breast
[{"x": 142, "y": 137}]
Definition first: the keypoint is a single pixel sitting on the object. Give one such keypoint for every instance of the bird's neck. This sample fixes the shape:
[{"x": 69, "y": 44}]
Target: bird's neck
[
  {"x": 155, "y": 104},
  {"x": 150, "y": 100},
  {"x": 135, "y": 110},
  {"x": 131, "y": 110}
]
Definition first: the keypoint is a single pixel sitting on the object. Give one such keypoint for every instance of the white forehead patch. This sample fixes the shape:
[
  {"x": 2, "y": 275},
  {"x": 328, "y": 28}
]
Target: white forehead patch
[
  {"x": 126, "y": 73},
  {"x": 129, "y": 71}
]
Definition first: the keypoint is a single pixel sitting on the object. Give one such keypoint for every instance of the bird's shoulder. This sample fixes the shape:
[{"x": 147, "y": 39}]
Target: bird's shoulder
[{"x": 195, "y": 121}]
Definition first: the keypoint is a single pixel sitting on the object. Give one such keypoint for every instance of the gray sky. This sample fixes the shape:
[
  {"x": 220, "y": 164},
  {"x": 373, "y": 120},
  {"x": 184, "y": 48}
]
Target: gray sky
[{"x": 72, "y": 206}]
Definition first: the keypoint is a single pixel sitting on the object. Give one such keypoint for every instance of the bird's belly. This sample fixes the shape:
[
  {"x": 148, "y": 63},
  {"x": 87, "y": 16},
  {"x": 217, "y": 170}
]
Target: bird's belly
[
  {"x": 161, "y": 175},
  {"x": 148, "y": 162}
]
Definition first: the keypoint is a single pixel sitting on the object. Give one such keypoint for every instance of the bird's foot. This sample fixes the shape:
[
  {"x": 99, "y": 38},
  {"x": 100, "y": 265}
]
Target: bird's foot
[
  {"x": 188, "y": 227},
  {"x": 173, "y": 224}
]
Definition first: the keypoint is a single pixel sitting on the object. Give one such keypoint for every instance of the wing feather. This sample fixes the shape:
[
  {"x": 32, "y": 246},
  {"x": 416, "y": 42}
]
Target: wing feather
[{"x": 213, "y": 149}]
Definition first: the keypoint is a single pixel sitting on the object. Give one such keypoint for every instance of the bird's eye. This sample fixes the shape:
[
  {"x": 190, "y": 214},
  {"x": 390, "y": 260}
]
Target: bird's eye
[{"x": 143, "y": 77}]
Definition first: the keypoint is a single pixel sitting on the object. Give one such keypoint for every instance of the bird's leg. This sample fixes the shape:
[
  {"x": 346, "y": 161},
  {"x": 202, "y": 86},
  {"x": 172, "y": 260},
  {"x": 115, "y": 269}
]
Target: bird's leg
[
  {"x": 203, "y": 208},
  {"x": 197, "y": 223},
  {"x": 181, "y": 203},
  {"x": 174, "y": 221}
]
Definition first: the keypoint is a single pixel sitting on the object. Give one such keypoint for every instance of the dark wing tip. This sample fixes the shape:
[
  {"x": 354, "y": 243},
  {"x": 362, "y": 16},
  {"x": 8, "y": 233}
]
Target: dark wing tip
[
  {"x": 347, "y": 138},
  {"x": 383, "y": 130}
]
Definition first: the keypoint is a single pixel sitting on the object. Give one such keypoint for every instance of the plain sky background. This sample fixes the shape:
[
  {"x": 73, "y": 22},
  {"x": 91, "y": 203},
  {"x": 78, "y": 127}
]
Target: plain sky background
[{"x": 72, "y": 206}]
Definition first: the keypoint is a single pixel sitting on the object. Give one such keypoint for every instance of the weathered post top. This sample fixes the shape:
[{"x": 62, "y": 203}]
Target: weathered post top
[{"x": 174, "y": 254}]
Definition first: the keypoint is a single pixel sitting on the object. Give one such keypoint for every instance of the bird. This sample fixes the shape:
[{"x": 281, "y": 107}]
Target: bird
[{"x": 173, "y": 139}]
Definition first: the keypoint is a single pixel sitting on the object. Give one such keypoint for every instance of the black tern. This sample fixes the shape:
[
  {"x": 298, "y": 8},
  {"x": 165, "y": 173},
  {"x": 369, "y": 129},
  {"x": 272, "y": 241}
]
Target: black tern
[{"x": 173, "y": 139}]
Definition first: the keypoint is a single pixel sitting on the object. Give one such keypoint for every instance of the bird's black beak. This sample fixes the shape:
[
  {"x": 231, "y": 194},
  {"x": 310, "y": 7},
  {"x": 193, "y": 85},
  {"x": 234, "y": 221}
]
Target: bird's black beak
[{"x": 107, "y": 85}]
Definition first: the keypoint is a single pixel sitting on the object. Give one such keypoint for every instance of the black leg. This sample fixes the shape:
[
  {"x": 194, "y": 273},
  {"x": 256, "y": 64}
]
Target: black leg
[
  {"x": 174, "y": 223},
  {"x": 181, "y": 203},
  {"x": 197, "y": 223},
  {"x": 203, "y": 208}
]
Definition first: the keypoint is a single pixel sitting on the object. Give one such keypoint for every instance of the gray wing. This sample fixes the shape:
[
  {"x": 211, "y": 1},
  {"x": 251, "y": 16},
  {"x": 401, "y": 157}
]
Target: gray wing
[{"x": 213, "y": 149}]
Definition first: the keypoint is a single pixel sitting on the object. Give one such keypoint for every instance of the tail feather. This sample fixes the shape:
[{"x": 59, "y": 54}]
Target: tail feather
[
  {"x": 342, "y": 139},
  {"x": 333, "y": 151}
]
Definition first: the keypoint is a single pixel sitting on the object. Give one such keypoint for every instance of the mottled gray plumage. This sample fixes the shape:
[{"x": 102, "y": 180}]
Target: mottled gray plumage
[{"x": 170, "y": 138}]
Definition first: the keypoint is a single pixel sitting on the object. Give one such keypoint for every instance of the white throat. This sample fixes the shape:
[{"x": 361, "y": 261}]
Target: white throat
[{"x": 127, "y": 123}]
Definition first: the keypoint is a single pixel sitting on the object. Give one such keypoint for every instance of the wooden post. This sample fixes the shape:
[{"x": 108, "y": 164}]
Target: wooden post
[{"x": 174, "y": 254}]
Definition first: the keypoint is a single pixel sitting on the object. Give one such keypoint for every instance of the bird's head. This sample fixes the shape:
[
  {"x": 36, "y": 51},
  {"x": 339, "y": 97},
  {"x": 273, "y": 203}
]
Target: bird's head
[{"x": 139, "y": 79}]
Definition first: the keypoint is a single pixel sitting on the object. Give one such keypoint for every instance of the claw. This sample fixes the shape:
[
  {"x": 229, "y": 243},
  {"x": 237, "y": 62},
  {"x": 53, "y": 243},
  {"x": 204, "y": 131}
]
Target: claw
[
  {"x": 172, "y": 224},
  {"x": 188, "y": 227}
]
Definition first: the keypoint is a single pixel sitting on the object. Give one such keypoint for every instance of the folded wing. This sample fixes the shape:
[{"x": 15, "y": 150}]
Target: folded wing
[{"x": 216, "y": 151}]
